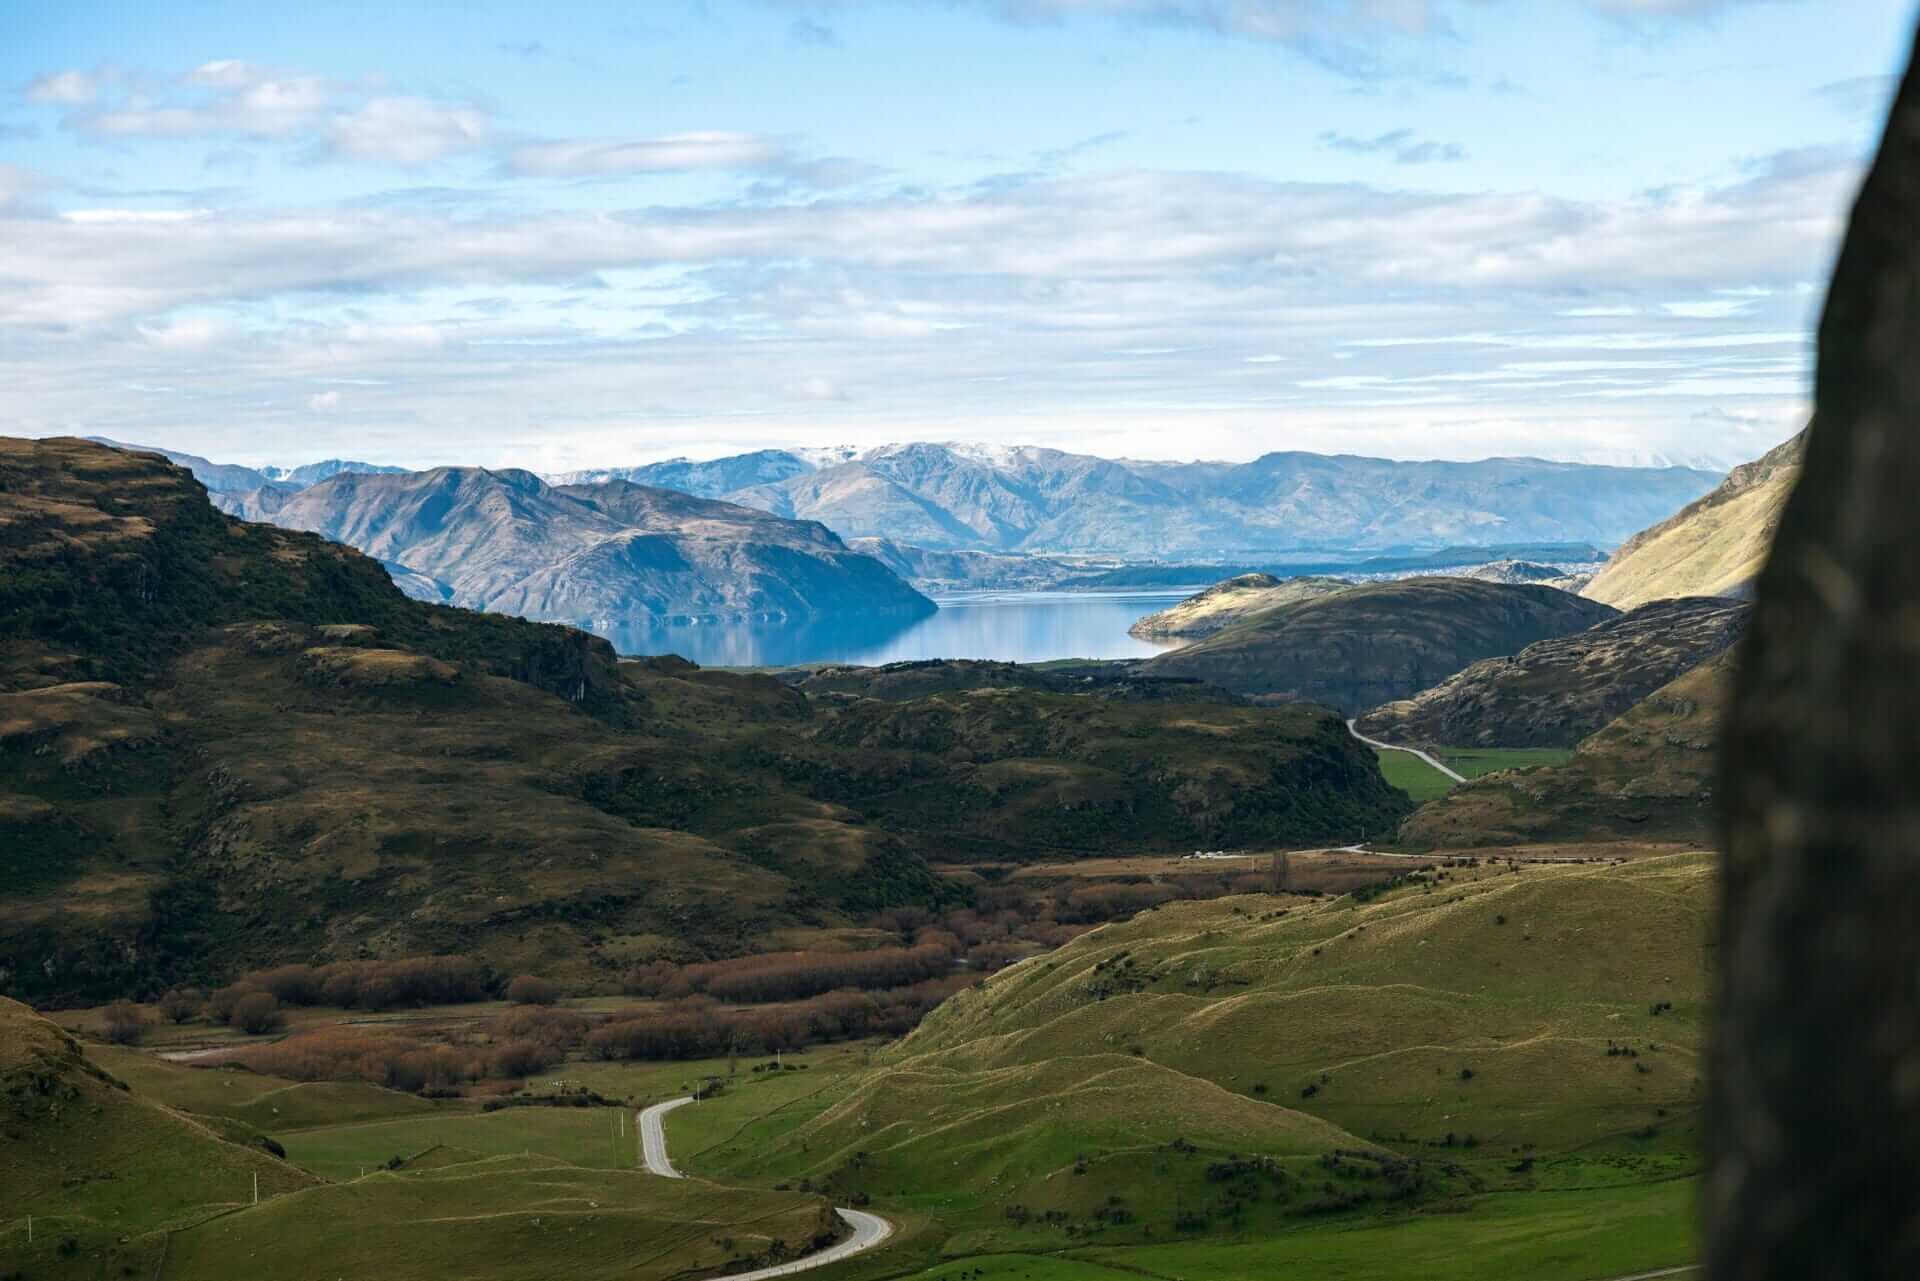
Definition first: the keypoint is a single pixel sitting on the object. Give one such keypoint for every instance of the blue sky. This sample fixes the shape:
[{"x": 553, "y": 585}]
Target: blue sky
[{"x": 565, "y": 235}]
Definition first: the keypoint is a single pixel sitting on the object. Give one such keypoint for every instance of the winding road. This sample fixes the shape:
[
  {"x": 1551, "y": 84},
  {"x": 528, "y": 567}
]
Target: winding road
[
  {"x": 869, "y": 1230},
  {"x": 1353, "y": 729}
]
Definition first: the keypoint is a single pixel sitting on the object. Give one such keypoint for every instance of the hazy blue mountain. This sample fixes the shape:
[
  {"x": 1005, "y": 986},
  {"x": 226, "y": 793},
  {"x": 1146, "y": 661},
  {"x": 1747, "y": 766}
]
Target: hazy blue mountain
[
  {"x": 217, "y": 477},
  {"x": 703, "y": 479},
  {"x": 313, "y": 473},
  {"x": 1032, "y": 500},
  {"x": 231, "y": 478}
]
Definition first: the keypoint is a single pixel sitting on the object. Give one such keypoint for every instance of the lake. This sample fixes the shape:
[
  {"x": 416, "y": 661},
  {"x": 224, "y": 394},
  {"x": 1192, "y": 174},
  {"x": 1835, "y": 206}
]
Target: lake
[{"x": 1020, "y": 627}]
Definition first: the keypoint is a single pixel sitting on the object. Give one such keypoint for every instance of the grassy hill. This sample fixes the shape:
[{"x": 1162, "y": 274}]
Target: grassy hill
[
  {"x": 120, "y": 1183},
  {"x": 1250, "y": 1066},
  {"x": 1378, "y": 642},
  {"x": 502, "y": 1217},
  {"x": 1486, "y": 1071},
  {"x": 1714, "y": 546},
  {"x": 99, "y": 1167},
  {"x": 1648, "y": 775},
  {"x": 224, "y": 746},
  {"x": 1556, "y": 692},
  {"x": 1231, "y": 601}
]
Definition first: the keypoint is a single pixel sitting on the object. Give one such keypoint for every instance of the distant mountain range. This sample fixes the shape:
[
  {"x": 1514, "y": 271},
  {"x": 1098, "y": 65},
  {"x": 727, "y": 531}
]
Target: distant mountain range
[
  {"x": 1027, "y": 499},
  {"x": 231, "y": 478},
  {"x": 793, "y": 533}
]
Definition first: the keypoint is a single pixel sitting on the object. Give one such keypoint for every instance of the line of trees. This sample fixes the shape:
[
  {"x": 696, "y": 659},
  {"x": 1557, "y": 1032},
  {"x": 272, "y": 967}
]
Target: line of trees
[
  {"x": 694, "y": 1029},
  {"x": 373, "y": 985},
  {"x": 394, "y": 1059},
  {"x": 792, "y": 976}
]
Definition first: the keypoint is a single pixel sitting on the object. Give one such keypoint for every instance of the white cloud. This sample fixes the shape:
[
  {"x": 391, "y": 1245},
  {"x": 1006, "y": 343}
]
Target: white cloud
[
  {"x": 407, "y": 131},
  {"x": 673, "y": 153},
  {"x": 230, "y": 98},
  {"x": 324, "y": 402},
  {"x": 70, "y": 87},
  {"x": 17, "y": 182},
  {"x": 1003, "y": 309},
  {"x": 1401, "y": 145},
  {"x": 1329, "y": 240},
  {"x": 97, "y": 216}
]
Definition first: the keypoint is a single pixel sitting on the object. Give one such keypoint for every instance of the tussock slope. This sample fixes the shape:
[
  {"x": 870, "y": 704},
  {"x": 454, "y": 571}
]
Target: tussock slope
[
  {"x": 1231, "y": 601},
  {"x": 1713, "y": 546}
]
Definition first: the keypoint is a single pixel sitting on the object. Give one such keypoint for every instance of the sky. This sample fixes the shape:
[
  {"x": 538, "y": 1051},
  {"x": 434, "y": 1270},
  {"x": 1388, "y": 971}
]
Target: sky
[{"x": 566, "y": 235}]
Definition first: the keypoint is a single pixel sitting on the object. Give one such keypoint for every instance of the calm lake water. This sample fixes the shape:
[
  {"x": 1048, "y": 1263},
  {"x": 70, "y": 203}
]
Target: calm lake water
[{"x": 1021, "y": 627}]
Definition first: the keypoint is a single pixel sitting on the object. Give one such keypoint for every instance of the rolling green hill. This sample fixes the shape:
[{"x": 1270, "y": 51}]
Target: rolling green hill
[
  {"x": 1248, "y": 1066},
  {"x": 100, "y": 1168},
  {"x": 120, "y": 1184},
  {"x": 1377, "y": 642}
]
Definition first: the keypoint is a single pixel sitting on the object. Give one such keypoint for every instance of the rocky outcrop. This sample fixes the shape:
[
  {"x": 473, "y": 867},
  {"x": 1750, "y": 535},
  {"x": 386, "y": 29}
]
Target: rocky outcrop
[{"x": 1556, "y": 692}]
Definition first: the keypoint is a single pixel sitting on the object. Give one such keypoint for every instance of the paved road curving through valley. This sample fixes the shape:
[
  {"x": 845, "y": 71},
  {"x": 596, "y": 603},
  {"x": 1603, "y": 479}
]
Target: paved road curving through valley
[
  {"x": 869, "y": 1230},
  {"x": 1353, "y": 729}
]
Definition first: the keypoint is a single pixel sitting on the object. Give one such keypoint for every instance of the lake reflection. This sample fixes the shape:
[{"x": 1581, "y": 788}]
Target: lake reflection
[{"x": 1021, "y": 627}]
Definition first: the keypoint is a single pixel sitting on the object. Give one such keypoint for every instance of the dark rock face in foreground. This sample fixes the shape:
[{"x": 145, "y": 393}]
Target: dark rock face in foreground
[
  {"x": 1556, "y": 692},
  {"x": 1815, "y": 1111}
]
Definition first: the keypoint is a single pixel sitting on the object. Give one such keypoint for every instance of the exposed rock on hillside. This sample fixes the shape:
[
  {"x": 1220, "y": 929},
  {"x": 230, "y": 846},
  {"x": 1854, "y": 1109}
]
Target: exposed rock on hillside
[
  {"x": 1712, "y": 547},
  {"x": 1377, "y": 642},
  {"x": 1556, "y": 692},
  {"x": 1233, "y": 601}
]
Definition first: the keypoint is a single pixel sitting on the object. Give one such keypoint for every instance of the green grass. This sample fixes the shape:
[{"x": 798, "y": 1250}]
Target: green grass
[
  {"x": 1414, "y": 776},
  {"x": 588, "y": 1137},
  {"x": 1424, "y": 783},
  {"x": 506, "y": 1217},
  {"x": 1475, "y": 761},
  {"x": 270, "y": 1104},
  {"x": 1582, "y": 1236},
  {"x": 1535, "y": 1236}
]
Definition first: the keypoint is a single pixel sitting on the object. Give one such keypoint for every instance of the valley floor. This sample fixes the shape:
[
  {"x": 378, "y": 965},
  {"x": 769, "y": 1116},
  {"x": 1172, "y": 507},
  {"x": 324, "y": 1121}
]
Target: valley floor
[{"x": 1001, "y": 1150}]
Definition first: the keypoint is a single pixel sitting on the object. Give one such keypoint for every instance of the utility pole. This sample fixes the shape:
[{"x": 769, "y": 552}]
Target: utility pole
[{"x": 256, "y": 1187}]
